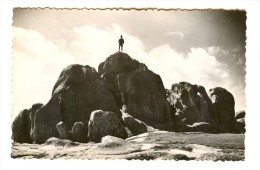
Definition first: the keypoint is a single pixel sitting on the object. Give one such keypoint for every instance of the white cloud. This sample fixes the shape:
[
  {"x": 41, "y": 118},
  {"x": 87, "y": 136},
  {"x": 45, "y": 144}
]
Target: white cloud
[
  {"x": 176, "y": 33},
  {"x": 236, "y": 64},
  {"x": 37, "y": 62},
  {"x": 196, "y": 67},
  {"x": 95, "y": 45}
]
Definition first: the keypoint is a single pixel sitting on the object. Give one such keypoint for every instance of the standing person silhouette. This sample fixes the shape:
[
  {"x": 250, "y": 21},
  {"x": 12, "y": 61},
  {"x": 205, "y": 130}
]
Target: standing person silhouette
[{"x": 121, "y": 43}]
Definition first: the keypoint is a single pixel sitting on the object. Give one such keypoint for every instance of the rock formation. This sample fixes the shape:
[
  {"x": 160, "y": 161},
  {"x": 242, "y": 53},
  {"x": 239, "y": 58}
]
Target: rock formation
[
  {"x": 62, "y": 130},
  {"x": 196, "y": 111},
  {"x": 122, "y": 83},
  {"x": 23, "y": 123},
  {"x": 21, "y": 127},
  {"x": 223, "y": 109},
  {"x": 82, "y": 91},
  {"x": 34, "y": 108},
  {"x": 104, "y": 123},
  {"x": 240, "y": 122},
  {"x": 137, "y": 88},
  {"x": 79, "y": 132},
  {"x": 240, "y": 114},
  {"x": 136, "y": 126},
  {"x": 190, "y": 103},
  {"x": 46, "y": 119}
]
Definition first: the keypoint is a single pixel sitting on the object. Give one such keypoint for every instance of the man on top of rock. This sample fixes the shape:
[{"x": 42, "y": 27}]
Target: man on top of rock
[{"x": 121, "y": 43}]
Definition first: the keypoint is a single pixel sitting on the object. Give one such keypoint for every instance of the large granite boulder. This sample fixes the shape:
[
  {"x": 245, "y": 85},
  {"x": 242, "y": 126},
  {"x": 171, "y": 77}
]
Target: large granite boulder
[
  {"x": 136, "y": 126},
  {"x": 240, "y": 121},
  {"x": 240, "y": 114},
  {"x": 79, "y": 132},
  {"x": 223, "y": 109},
  {"x": 23, "y": 123},
  {"x": 78, "y": 91},
  {"x": 46, "y": 119},
  {"x": 240, "y": 125},
  {"x": 138, "y": 88},
  {"x": 21, "y": 127},
  {"x": 104, "y": 123},
  {"x": 34, "y": 108},
  {"x": 190, "y": 104},
  {"x": 62, "y": 130}
]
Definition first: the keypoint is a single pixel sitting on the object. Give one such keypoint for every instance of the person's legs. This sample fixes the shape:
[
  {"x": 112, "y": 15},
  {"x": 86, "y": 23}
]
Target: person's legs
[{"x": 120, "y": 47}]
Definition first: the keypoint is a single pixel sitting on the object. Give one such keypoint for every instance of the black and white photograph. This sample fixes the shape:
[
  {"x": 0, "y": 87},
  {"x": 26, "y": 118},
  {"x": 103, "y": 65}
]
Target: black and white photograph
[
  {"x": 142, "y": 84},
  {"x": 127, "y": 85}
]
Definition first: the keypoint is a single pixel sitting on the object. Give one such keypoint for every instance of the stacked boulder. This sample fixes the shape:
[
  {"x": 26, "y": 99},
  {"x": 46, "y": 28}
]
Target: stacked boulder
[
  {"x": 137, "y": 89},
  {"x": 193, "y": 110},
  {"x": 191, "y": 107},
  {"x": 78, "y": 91},
  {"x": 21, "y": 127},
  {"x": 123, "y": 98},
  {"x": 83, "y": 100},
  {"x": 23, "y": 123},
  {"x": 223, "y": 110},
  {"x": 105, "y": 123},
  {"x": 240, "y": 121}
]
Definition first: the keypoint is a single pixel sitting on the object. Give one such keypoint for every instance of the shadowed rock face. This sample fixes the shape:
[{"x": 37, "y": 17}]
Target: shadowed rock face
[
  {"x": 34, "y": 108},
  {"x": 21, "y": 127},
  {"x": 240, "y": 125},
  {"x": 191, "y": 104},
  {"x": 113, "y": 66},
  {"x": 79, "y": 132},
  {"x": 137, "y": 88},
  {"x": 223, "y": 109},
  {"x": 122, "y": 82},
  {"x": 62, "y": 130},
  {"x": 240, "y": 122},
  {"x": 46, "y": 119},
  {"x": 136, "y": 126},
  {"x": 104, "y": 123},
  {"x": 23, "y": 123},
  {"x": 82, "y": 91},
  {"x": 240, "y": 114}
]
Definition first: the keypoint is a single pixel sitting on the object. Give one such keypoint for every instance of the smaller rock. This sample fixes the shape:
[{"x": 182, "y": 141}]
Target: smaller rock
[
  {"x": 21, "y": 127},
  {"x": 180, "y": 122},
  {"x": 136, "y": 126},
  {"x": 112, "y": 141},
  {"x": 240, "y": 114},
  {"x": 62, "y": 130},
  {"x": 223, "y": 109},
  {"x": 104, "y": 123},
  {"x": 79, "y": 132},
  {"x": 34, "y": 109},
  {"x": 240, "y": 125}
]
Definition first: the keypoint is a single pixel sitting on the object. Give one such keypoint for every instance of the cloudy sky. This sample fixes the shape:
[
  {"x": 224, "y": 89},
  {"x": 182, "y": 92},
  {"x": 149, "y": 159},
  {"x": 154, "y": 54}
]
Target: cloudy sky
[{"x": 200, "y": 47}]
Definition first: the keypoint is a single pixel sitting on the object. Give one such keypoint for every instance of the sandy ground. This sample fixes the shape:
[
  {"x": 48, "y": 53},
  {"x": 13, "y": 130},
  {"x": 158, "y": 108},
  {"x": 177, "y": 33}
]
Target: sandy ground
[{"x": 156, "y": 145}]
